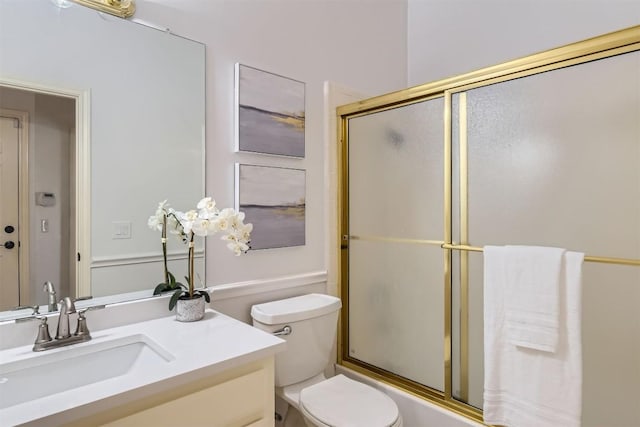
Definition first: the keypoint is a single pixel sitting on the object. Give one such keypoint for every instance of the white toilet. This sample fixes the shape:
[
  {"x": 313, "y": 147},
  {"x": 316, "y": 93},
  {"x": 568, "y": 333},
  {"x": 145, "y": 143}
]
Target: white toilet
[{"x": 308, "y": 324}]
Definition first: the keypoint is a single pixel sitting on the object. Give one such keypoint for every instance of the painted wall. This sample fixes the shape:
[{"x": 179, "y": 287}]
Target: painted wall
[
  {"x": 450, "y": 37},
  {"x": 358, "y": 44}
]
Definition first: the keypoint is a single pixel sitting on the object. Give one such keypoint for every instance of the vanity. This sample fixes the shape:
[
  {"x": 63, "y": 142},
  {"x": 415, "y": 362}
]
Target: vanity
[{"x": 217, "y": 372}]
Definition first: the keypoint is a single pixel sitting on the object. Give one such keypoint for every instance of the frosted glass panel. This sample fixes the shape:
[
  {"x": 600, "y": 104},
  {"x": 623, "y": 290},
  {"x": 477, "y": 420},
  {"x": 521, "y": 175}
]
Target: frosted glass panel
[
  {"x": 554, "y": 160},
  {"x": 396, "y": 290},
  {"x": 396, "y": 172},
  {"x": 396, "y": 309}
]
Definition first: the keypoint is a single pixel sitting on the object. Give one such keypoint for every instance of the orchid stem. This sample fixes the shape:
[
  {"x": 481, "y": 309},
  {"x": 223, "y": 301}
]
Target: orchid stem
[
  {"x": 191, "y": 256},
  {"x": 164, "y": 248}
]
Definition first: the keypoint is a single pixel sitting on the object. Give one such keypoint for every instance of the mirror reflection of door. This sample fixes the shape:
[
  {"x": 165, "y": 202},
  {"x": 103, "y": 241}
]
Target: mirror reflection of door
[
  {"x": 37, "y": 197},
  {"x": 9, "y": 212}
]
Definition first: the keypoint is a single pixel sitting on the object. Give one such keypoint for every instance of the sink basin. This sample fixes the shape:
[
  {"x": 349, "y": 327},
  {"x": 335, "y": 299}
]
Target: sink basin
[{"x": 76, "y": 366}]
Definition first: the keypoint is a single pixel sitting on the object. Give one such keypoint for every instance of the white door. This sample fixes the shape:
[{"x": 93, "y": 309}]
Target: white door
[{"x": 9, "y": 213}]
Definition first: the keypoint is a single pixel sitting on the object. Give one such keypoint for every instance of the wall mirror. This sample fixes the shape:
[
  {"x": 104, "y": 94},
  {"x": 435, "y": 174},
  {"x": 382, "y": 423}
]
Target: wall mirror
[{"x": 113, "y": 116}]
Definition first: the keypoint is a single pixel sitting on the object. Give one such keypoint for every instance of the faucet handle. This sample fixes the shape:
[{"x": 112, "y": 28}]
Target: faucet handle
[
  {"x": 81, "y": 328},
  {"x": 43, "y": 331},
  {"x": 35, "y": 308}
]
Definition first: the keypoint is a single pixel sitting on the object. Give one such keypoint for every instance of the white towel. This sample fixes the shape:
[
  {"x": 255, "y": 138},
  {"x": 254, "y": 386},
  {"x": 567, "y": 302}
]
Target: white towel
[
  {"x": 532, "y": 294},
  {"x": 525, "y": 387}
]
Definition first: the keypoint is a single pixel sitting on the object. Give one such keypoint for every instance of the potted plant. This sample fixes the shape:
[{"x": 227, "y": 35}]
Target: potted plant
[{"x": 203, "y": 221}]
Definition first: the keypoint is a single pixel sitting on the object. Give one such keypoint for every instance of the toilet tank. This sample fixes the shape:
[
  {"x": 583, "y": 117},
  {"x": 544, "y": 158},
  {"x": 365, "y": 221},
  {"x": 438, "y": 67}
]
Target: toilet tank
[{"x": 313, "y": 320}]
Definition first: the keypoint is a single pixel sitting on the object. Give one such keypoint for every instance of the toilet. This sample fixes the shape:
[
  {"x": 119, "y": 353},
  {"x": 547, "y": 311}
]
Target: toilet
[{"x": 308, "y": 324}]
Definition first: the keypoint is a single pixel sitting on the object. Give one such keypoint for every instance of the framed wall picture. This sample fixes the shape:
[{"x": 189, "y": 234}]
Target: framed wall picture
[
  {"x": 273, "y": 200},
  {"x": 270, "y": 113}
]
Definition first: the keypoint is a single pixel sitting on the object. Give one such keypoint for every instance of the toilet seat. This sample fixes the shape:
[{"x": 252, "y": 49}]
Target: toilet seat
[{"x": 340, "y": 401}]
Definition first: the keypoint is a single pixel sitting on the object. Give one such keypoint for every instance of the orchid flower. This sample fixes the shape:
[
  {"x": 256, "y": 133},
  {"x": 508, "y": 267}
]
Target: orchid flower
[{"x": 203, "y": 221}]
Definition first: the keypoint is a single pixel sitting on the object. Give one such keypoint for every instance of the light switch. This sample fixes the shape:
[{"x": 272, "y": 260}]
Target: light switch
[
  {"x": 121, "y": 230},
  {"x": 44, "y": 225}
]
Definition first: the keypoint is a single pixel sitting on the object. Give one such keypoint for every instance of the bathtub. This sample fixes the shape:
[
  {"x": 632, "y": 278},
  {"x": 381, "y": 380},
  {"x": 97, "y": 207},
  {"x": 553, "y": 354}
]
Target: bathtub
[{"x": 415, "y": 412}]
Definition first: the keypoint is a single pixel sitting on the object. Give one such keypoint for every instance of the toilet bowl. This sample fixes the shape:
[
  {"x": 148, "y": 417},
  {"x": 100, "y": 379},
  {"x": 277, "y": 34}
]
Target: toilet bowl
[{"x": 308, "y": 324}]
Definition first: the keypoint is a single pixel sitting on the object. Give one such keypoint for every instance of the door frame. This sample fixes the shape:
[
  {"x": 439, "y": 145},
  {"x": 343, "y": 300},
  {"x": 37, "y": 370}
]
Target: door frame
[
  {"x": 335, "y": 95},
  {"x": 23, "y": 202},
  {"x": 82, "y": 243}
]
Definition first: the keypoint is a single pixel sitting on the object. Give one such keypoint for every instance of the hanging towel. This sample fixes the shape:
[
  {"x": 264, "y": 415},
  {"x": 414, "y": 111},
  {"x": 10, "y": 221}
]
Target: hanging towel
[
  {"x": 524, "y": 387},
  {"x": 531, "y": 296}
]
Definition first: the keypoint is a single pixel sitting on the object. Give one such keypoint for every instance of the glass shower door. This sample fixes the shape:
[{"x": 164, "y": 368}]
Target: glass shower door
[{"x": 395, "y": 263}]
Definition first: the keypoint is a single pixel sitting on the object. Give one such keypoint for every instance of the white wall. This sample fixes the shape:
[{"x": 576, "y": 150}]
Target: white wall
[
  {"x": 359, "y": 44},
  {"x": 450, "y": 37}
]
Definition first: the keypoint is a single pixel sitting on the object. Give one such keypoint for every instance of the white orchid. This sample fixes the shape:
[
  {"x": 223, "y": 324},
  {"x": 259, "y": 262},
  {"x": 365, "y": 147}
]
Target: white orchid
[
  {"x": 245, "y": 231},
  {"x": 174, "y": 226},
  {"x": 237, "y": 247},
  {"x": 203, "y": 221},
  {"x": 203, "y": 227},
  {"x": 156, "y": 221},
  {"x": 207, "y": 208},
  {"x": 238, "y": 239},
  {"x": 187, "y": 219}
]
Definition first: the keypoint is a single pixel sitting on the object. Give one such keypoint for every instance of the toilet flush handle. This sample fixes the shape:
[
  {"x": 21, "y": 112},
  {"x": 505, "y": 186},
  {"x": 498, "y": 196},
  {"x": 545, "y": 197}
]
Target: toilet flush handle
[{"x": 284, "y": 331}]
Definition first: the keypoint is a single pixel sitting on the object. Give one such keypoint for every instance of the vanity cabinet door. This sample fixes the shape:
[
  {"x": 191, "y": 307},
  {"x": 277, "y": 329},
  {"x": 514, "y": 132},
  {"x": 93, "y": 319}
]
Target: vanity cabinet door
[{"x": 238, "y": 397}]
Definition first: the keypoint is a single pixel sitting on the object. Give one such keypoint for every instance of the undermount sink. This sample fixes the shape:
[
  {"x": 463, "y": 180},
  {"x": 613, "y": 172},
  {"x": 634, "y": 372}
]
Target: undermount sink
[{"x": 76, "y": 366}]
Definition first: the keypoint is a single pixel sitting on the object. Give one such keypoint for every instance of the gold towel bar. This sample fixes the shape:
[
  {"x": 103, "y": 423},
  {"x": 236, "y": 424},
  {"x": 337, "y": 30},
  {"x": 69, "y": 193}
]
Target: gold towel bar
[{"x": 605, "y": 260}]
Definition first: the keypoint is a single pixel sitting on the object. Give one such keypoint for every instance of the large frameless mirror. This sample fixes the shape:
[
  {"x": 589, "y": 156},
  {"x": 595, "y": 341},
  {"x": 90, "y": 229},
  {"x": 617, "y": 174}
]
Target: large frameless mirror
[{"x": 112, "y": 124}]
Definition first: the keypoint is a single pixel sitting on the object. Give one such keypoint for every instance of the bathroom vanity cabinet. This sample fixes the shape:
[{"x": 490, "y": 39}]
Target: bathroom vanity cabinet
[
  {"x": 216, "y": 372},
  {"x": 241, "y": 396}
]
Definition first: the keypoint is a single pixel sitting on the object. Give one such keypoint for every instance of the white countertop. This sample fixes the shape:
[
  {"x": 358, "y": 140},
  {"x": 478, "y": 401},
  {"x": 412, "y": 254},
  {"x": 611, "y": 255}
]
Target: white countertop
[{"x": 207, "y": 347}]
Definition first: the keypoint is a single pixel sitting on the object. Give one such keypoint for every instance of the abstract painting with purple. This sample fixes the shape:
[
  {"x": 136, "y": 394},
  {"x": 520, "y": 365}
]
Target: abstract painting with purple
[
  {"x": 269, "y": 113},
  {"x": 273, "y": 200}
]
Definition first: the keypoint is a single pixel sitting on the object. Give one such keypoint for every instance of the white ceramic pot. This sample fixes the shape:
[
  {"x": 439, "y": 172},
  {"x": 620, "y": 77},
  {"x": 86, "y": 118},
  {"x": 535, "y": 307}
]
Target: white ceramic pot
[{"x": 190, "y": 310}]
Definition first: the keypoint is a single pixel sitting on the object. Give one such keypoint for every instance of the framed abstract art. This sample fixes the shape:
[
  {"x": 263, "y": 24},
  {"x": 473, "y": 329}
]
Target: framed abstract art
[
  {"x": 273, "y": 200},
  {"x": 270, "y": 113}
]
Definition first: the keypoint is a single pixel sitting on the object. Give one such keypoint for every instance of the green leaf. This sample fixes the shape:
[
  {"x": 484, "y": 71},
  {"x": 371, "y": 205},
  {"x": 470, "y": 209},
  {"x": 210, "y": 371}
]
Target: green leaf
[
  {"x": 172, "y": 278},
  {"x": 160, "y": 288},
  {"x": 205, "y": 294},
  {"x": 174, "y": 298}
]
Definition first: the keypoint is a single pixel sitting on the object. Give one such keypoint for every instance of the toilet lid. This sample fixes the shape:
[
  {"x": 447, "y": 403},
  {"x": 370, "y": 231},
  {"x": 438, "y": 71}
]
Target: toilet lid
[{"x": 340, "y": 401}]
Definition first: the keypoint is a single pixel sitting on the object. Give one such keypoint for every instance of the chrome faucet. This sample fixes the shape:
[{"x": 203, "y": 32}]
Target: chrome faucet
[
  {"x": 51, "y": 292},
  {"x": 63, "y": 334},
  {"x": 67, "y": 307}
]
